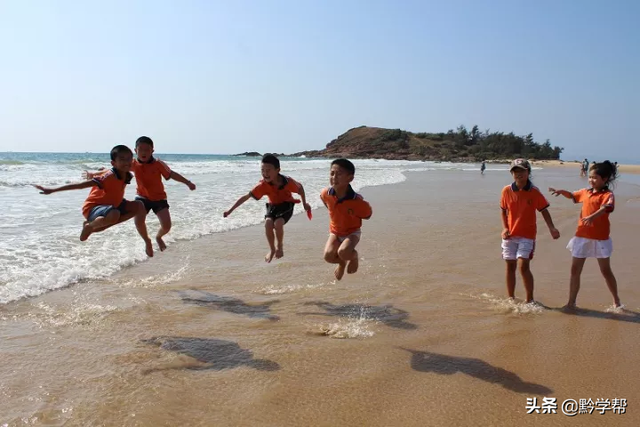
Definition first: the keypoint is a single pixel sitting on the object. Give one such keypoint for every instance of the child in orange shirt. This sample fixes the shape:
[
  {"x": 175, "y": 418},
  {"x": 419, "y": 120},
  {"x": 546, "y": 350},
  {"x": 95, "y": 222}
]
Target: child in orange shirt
[
  {"x": 519, "y": 203},
  {"x": 592, "y": 238},
  {"x": 106, "y": 205},
  {"x": 149, "y": 172},
  {"x": 347, "y": 209},
  {"x": 278, "y": 189}
]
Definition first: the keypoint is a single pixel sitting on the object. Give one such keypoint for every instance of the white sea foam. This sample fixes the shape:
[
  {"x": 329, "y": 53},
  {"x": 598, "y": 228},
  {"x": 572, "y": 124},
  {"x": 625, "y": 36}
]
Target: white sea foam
[
  {"x": 39, "y": 235},
  {"x": 509, "y": 306},
  {"x": 347, "y": 328}
]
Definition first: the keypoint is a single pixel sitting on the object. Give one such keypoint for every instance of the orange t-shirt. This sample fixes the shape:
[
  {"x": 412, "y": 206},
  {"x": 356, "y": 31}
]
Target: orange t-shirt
[
  {"x": 592, "y": 201},
  {"x": 149, "y": 178},
  {"x": 108, "y": 191},
  {"x": 521, "y": 207},
  {"x": 277, "y": 195},
  {"x": 346, "y": 214}
]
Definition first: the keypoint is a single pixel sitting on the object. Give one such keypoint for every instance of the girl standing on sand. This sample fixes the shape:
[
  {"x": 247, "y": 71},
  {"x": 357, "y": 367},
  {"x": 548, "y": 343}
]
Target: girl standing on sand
[
  {"x": 592, "y": 236},
  {"x": 519, "y": 203}
]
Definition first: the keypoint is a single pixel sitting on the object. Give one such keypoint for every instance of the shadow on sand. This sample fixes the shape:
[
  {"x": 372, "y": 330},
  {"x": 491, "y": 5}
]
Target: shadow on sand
[
  {"x": 425, "y": 361},
  {"x": 387, "y": 314},
  {"x": 623, "y": 316},
  {"x": 212, "y": 354},
  {"x": 229, "y": 304}
]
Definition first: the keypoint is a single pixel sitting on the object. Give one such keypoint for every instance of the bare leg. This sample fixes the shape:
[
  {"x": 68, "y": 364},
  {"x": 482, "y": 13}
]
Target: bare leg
[
  {"x": 138, "y": 210},
  {"x": 99, "y": 224},
  {"x": 122, "y": 218},
  {"x": 331, "y": 255},
  {"x": 612, "y": 284},
  {"x": 347, "y": 253},
  {"x": 165, "y": 225},
  {"x": 511, "y": 277},
  {"x": 279, "y": 227},
  {"x": 527, "y": 278},
  {"x": 574, "y": 285},
  {"x": 268, "y": 227}
]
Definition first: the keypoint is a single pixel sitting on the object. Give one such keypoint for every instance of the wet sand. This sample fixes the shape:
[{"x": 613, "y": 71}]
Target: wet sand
[{"x": 208, "y": 334}]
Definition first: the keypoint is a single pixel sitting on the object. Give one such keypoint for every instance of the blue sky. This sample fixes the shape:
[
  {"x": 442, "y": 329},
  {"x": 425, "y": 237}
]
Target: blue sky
[{"x": 285, "y": 76}]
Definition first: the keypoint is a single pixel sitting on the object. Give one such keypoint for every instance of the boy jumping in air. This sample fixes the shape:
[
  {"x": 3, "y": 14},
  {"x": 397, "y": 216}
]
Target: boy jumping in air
[
  {"x": 278, "y": 189},
  {"x": 347, "y": 209}
]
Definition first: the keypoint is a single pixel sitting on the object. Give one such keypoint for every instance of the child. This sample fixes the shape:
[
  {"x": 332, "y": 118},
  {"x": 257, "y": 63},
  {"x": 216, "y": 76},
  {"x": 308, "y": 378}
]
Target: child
[
  {"x": 519, "y": 203},
  {"x": 106, "y": 205},
  {"x": 483, "y": 167},
  {"x": 278, "y": 189},
  {"x": 149, "y": 172},
  {"x": 592, "y": 236},
  {"x": 347, "y": 209}
]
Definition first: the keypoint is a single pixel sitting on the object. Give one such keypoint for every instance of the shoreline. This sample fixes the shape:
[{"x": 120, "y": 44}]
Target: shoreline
[{"x": 422, "y": 326}]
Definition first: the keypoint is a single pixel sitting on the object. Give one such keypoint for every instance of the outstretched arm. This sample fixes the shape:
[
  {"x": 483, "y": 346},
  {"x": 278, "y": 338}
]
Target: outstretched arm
[
  {"x": 77, "y": 186},
  {"x": 91, "y": 175},
  {"x": 552, "y": 229},
  {"x": 564, "y": 193},
  {"x": 301, "y": 192},
  {"x": 182, "y": 179},
  {"x": 240, "y": 201}
]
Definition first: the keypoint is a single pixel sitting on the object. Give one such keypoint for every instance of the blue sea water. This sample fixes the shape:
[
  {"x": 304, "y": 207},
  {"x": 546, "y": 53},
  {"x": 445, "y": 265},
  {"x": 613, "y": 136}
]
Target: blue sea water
[{"x": 39, "y": 246}]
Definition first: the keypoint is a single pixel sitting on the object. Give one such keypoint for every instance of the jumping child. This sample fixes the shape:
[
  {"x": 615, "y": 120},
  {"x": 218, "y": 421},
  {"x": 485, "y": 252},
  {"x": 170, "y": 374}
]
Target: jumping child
[{"x": 278, "y": 189}]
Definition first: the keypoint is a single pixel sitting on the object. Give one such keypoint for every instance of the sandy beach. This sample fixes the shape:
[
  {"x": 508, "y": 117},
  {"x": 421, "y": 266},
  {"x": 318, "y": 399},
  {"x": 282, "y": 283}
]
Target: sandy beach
[
  {"x": 423, "y": 335},
  {"x": 622, "y": 168}
]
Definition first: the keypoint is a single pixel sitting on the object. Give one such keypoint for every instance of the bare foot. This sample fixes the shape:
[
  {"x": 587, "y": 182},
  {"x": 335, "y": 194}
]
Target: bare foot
[
  {"x": 148, "y": 247},
  {"x": 86, "y": 231},
  {"x": 161, "y": 244},
  {"x": 353, "y": 264},
  {"x": 269, "y": 256},
  {"x": 569, "y": 308},
  {"x": 339, "y": 271},
  {"x": 279, "y": 253}
]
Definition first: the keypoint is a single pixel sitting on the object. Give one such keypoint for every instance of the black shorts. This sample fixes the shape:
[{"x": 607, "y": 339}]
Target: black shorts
[
  {"x": 156, "y": 206},
  {"x": 282, "y": 210}
]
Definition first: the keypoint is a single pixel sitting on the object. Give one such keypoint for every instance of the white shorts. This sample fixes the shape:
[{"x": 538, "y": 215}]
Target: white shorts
[
  {"x": 356, "y": 233},
  {"x": 582, "y": 247},
  {"x": 518, "y": 247}
]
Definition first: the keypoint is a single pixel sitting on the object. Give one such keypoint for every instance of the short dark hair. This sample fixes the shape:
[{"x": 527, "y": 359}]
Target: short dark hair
[
  {"x": 345, "y": 164},
  {"x": 605, "y": 170},
  {"x": 270, "y": 159},
  {"x": 144, "y": 140},
  {"x": 118, "y": 150}
]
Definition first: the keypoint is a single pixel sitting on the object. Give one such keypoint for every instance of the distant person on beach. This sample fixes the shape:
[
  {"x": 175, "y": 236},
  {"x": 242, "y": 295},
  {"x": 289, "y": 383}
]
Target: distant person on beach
[
  {"x": 483, "y": 167},
  {"x": 278, "y": 189},
  {"x": 106, "y": 205},
  {"x": 347, "y": 209},
  {"x": 584, "y": 168},
  {"x": 519, "y": 203},
  {"x": 592, "y": 238},
  {"x": 149, "y": 172}
]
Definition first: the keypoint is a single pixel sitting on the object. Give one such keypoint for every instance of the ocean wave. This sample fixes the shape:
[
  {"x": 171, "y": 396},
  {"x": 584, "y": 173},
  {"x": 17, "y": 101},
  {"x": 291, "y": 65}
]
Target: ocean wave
[
  {"x": 10, "y": 162},
  {"x": 46, "y": 254}
]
